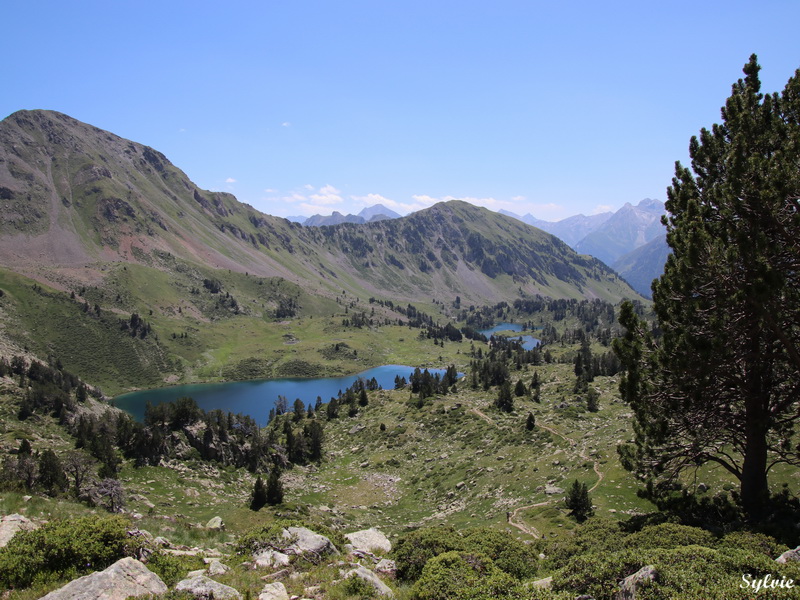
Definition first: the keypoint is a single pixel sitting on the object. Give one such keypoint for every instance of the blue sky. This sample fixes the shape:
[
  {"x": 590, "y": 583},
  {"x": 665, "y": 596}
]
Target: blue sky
[{"x": 300, "y": 107}]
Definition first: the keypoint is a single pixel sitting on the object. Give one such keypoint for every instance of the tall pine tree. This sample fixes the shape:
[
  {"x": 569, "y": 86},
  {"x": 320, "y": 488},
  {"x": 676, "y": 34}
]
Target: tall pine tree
[{"x": 721, "y": 384}]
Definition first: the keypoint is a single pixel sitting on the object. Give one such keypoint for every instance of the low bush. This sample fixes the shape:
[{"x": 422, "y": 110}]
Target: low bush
[
  {"x": 351, "y": 588},
  {"x": 467, "y": 576},
  {"x": 271, "y": 536},
  {"x": 669, "y": 535},
  {"x": 64, "y": 549},
  {"x": 596, "y": 535},
  {"x": 507, "y": 552},
  {"x": 756, "y": 543},
  {"x": 172, "y": 569},
  {"x": 684, "y": 573},
  {"x": 416, "y": 548}
]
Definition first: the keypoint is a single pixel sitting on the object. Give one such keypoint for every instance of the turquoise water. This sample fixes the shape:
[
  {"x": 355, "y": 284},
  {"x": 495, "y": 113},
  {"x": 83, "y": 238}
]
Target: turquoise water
[
  {"x": 257, "y": 397},
  {"x": 528, "y": 341}
]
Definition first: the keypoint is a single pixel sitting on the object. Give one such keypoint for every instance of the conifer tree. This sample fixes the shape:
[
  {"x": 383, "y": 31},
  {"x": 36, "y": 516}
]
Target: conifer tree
[
  {"x": 274, "y": 487},
  {"x": 259, "y": 496},
  {"x": 51, "y": 476},
  {"x": 505, "y": 401},
  {"x": 579, "y": 502},
  {"x": 721, "y": 383}
]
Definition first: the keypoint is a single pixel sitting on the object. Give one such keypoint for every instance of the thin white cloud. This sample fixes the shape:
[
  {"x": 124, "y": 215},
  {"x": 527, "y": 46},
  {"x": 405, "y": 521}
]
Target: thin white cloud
[
  {"x": 601, "y": 208},
  {"x": 230, "y": 180},
  {"x": 326, "y": 196},
  {"x": 286, "y": 124},
  {"x": 307, "y": 203},
  {"x": 309, "y": 208}
]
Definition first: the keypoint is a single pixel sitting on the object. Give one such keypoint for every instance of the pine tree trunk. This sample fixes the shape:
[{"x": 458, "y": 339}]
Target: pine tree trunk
[{"x": 754, "y": 487}]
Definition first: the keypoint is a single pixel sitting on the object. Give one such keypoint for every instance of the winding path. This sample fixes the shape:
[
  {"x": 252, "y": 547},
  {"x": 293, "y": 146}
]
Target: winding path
[{"x": 513, "y": 518}]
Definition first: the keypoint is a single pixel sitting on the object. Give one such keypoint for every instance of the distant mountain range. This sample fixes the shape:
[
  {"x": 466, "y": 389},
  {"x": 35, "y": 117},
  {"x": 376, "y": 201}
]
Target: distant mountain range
[
  {"x": 616, "y": 238},
  {"x": 377, "y": 212}
]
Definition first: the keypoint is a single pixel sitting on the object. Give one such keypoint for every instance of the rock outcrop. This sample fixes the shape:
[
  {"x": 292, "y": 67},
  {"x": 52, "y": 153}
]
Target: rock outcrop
[
  {"x": 271, "y": 558},
  {"x": 10, "y": 525},
  {"x": 362, "y": 572},
  {"x": 631, "y": 584},
  {"x": 207, "y": 589},
  {"x": 304, "y": 541},
  {"x": 274, "y": 591},
  {"x": 789, "y": 556},
  {"x": 369, "y": 540},
  {"x": 124, "y": 579}
]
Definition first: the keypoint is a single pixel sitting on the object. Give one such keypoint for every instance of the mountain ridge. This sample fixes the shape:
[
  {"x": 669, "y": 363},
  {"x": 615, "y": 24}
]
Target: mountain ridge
[{"x": 80, "y": 197}]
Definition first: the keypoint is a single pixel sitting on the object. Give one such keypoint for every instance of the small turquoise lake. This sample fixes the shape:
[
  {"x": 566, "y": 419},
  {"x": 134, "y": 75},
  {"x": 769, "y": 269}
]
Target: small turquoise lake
[
  {"x": 257, "y": 397},
  {"x": 528, "y": 341}
]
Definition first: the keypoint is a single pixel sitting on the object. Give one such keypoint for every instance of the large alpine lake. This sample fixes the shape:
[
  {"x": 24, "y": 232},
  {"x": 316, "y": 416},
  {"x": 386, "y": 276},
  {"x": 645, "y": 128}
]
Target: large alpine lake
[{"x": 255, "y": 398}]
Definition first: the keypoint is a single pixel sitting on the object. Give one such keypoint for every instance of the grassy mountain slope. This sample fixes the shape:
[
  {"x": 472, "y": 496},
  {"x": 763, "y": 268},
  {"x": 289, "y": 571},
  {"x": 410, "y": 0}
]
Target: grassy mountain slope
[
  {"x": 644, "y": 264},
  {"x": 78, "y": 197},
  {"x": 97, "y": 229}
]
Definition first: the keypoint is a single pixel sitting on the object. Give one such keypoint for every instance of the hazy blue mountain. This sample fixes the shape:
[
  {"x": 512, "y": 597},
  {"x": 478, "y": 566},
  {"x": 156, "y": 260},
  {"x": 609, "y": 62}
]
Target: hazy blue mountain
[
  {"x": 644, "y": 264},
  {"x": 336, "y": 218},
  {"x": 627, "y": 229},
  {"x": 378, "y": 212},
  {"x": 570, "y": 230}
]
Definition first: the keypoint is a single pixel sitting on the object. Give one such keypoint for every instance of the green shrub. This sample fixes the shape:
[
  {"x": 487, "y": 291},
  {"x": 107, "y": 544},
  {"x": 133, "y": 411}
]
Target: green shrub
[
  {"x": 64, "y": 548},
  {"x": 271, "y": 536},
  {"x": 685, "y": 573},
  {"x": 596, "y": 573},
  {"x": 261, "y": 538},
  {"x": 596, "y": 535},
  {"x": 352, "y": 588},
  {"x": 669, "y": 535},
  {"x": 756, "y": 543},
  {"x": 416, "y": 548},
  {"x": 467, "y": 576},
  {"x": 171, "y": 569},
  {"x": 507, "y": 552}
]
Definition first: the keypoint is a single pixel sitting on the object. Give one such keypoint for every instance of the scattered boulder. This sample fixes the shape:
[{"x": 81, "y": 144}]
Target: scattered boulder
[
  {"x": 217, "y": 568},
  {"x": 270, "y": 558},
  {"x": 543, "y": 584},
  {"x": 789, "y": 556},
  {"x": 11, "y": 524},
  {"x": 552, "y": 489},
  {"x": 387, "y": 567},
  {"x": 305, "y": 541},
  {"x": 372, "y": 579},
  {"x": 369, "y": 540},
  {"x": 124, "y": 579},
  {"x": 207, "y": 589},
  {"x": 216, "y": 524},
  {"x": 274, "y": 591},
  {"x": 631, "y": 584}
]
